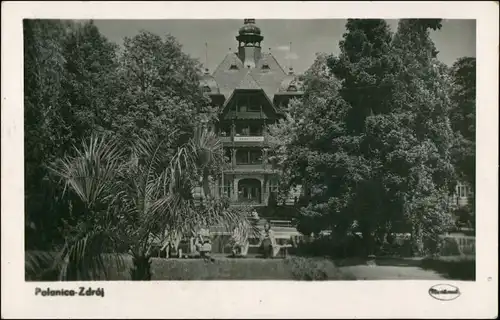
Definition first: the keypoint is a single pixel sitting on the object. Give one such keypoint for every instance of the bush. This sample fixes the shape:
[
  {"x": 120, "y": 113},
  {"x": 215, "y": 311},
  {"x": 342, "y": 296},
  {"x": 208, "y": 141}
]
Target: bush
[
  {"x": 350, "y": 246},
  {"x": 458, "y": 268},
  {"x": 449, "y": 247},
  {"x": 318, "y": 247},
  {"x": 311, "y": 269},
  {"x": 401, "y": 248}
]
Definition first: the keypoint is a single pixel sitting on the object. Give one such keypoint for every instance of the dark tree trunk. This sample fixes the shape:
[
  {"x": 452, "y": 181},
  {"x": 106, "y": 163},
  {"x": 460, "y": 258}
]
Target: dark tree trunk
[
  {"x": 417, "y": 240},
  {"x": 141, "y": 270},
  {"x": 368, "y": 241}
]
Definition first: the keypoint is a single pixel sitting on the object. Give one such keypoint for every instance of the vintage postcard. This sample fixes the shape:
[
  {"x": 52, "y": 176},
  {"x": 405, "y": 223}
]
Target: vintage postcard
[{"x": 249, "y": 159}]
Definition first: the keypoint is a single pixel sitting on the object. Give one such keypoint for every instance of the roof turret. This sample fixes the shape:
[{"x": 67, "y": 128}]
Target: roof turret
[{"x": 208, "y": 83}]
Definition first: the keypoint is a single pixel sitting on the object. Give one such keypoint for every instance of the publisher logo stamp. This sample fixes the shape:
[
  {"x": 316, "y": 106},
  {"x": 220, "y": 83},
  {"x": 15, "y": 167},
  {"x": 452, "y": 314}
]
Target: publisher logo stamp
[{"x": 444, "y": 292}]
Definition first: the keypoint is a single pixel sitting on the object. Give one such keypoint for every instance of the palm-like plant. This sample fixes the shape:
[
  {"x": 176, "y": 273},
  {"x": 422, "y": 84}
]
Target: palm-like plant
[{"x": 132, "y": 194}]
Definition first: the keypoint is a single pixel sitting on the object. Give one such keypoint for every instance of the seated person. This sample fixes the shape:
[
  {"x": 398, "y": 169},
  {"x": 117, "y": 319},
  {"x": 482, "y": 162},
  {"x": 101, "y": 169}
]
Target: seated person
[
  {"x": 255, "y": 215},
  {"x": 268, "y": 241},
  {"x": 203, "y": 245}
]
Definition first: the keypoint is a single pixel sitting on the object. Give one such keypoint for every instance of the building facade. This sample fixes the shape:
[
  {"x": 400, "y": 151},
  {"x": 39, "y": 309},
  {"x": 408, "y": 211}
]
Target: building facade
[{"x": 249, "y": 88}]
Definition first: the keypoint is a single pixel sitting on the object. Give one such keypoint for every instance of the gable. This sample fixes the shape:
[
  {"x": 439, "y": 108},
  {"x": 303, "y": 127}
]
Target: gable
[
  {"x": 248, "y": 104},
  {"x": 248, "y": 82},
  {"x": 267, "y": 74}
]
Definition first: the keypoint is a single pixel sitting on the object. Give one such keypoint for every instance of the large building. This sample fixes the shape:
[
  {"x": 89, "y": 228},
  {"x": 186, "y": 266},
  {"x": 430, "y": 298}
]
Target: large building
[{"x": 250, "y": 88}]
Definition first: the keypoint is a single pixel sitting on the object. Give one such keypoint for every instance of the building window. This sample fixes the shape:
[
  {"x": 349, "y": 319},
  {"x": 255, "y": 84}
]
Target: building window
[
  {"x": 292, "y": 88},
  {"x": 255, "y": 157},
  {"x": 273, "y": 186},
  {"x": 227, "y": 188},
  {"x": 241, "y": 157},
  {"x": 227, "y": 154},
  {"x": 206, "y": 89},
  {"x": 248, "y": 102},
  {"x": 249, "y": 130},
  {"x": 233, "y": 67},
  {"x": 249, "y": 157},
  {"x": 242, "y": 131},
  {"x": 255, "y": 130},
  {"x": 225, "y": 130},
  {"x": 462, "y": 191}
]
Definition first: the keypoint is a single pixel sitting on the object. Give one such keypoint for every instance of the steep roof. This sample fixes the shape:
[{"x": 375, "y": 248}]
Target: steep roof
[
  {"x": 207, "y": 81},
  {"x": 231, "y": 74},
  {"x": 226, "y": 77},
  {"x": 269, "y": 79},
  {"x": 248, "y": 82}
]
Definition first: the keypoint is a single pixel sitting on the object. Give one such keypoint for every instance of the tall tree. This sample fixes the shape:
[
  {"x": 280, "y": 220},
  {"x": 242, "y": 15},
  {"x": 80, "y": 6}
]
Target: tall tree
[
  {"x": 463, "y": 116},
  {"x": 43, "y": 124},
  {"x": 69, "y": 82},
  {"x": 309, "y": 148},
  {"x": 373, "y": 143},
  {"x": 159, "y": 88},
  {"x": 422, "y": 102},
  {"x": 89, "y": 87},
  {"x": 366, "y": 68},
  {"x": 463, "y": 121}
]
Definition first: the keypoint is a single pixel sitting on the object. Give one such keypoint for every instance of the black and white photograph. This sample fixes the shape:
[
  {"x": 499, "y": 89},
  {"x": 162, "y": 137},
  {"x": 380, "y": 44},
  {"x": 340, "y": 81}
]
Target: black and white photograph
[{"x": 298, "y": 150}]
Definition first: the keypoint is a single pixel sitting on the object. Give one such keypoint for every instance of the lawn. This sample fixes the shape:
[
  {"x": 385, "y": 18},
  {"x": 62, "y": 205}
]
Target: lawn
[
  {"x": 294, "y": 268},
  {"x": 300, "y": 268},
  {"x": 389, "y": 268}
]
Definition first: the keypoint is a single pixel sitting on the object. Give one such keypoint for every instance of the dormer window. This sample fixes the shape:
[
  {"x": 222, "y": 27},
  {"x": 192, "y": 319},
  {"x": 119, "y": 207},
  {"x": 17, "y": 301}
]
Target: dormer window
[
  {"x": 233, "y": 67},
  {"x": 292, "y": 88},
  {"x": 206, "y": 89},
  {"x": 265, "y": 66}
]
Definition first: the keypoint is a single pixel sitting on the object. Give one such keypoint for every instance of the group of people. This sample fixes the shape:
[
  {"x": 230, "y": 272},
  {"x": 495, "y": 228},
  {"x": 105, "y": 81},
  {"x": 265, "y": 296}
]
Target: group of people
[{"x": 239, "y": 241}]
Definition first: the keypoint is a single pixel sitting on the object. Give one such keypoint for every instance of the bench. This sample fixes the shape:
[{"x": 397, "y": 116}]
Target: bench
[{"x": 282, "y": 250}]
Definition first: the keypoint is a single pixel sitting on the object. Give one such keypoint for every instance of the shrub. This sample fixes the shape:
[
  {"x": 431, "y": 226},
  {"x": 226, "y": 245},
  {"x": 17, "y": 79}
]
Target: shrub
[
  {"x": 458, "y": 268},
  {"x": 449, "y": 247},
  {"x": 311, "y": 269},
  {"x": 350, "y": 246}
]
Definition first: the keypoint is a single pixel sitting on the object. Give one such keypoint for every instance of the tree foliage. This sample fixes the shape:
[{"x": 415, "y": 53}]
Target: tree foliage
[
  {"x": 43, "y": 124},
  {"x": 463, "y": 117},
  {"x": 371, "y": 139},
  {"x": 158, "y": 90},
  {"x": 111, "y": 158},
  {"x": 90, "y": 83},
  {"x": 128, "y": 196}
]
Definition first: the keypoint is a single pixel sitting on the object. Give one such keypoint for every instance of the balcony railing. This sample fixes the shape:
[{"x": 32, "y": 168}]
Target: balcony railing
[
  {"x": 250, "y": 167},
  {"x": 246, "y": 166},
  {"x": 225, "y": 139},
  {"x": 241, "y": 138},
  {"x": 248, "y": 138}
]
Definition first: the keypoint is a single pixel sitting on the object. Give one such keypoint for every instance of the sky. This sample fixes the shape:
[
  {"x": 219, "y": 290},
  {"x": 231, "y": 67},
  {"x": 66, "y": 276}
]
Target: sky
[{"x": 457, "y": 38}]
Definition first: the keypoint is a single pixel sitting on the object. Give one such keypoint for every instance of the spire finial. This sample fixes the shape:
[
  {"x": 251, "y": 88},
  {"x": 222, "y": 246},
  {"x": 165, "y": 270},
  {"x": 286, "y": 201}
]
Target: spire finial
[
  {"x": 206, "y": 55},
  {"x": 290, "y": 57}
]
